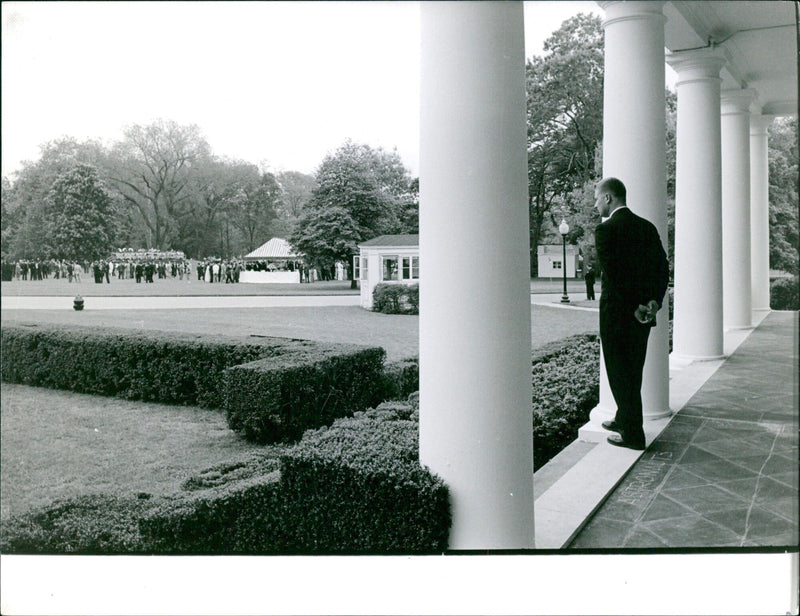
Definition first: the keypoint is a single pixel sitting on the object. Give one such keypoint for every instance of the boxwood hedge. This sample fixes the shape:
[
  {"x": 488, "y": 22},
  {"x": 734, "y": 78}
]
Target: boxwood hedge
[
  {"x": 284, "y": 387},
  {"x": 269, "y": 401}
]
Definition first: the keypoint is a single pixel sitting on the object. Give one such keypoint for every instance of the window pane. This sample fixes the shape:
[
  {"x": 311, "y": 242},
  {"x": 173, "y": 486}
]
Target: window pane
[
  {"x": 390, "y": 269},
  {"x": 415, "y": 268},
  {"x": 406, "y": 268}
]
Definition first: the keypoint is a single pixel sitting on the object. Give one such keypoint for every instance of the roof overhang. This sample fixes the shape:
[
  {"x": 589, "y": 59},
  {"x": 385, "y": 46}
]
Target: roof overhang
[{"x": 758, "y": 40}]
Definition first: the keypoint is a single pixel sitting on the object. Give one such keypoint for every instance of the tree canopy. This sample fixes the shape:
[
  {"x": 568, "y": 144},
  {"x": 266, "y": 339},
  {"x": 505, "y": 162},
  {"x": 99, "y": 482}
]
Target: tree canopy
[{"x": 361, "y": 192}]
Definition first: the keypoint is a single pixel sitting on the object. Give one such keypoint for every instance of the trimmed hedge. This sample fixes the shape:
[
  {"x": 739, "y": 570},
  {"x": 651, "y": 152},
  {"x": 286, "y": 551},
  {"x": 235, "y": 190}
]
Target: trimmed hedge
[
  {"x": 566, "y": 387},
  {"x": 153, "y": 366},
  {"x": 401, "y": 378},
  {"x": 376, "y": 499},
  {"x": 353, "y": 488},
  {"x": 396, "y": 298},
  {"x": 93, "y": 524},
  {"x": 284, "y": 387},
  {"x": 785, "y": 294},
  {"x": 269, "y": 401}
]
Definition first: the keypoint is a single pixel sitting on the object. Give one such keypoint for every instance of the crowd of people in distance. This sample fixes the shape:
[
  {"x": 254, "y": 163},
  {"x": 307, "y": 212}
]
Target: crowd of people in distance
[{"x": 219, "y": 270}]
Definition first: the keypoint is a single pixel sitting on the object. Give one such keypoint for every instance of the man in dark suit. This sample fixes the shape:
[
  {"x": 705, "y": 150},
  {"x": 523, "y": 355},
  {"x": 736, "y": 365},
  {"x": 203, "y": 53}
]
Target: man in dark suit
[{"x": 635, "y": 277}]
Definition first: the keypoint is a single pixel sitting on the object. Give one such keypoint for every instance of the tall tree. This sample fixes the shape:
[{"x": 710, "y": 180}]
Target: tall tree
[
  {"x": 565, "y": 104},
  {"x": 783, "y": 195},
  {"x": 80, "y": 216},
  {"x": 25, "y": 200},
  {"x": 361, "y": 189},
  {"x": 154, "y": 168},
  {"x": 253, "y": 209}
]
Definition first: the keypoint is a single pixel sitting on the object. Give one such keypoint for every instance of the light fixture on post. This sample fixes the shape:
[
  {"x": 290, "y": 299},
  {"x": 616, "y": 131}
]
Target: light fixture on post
[{"x": 563, "y": 229}]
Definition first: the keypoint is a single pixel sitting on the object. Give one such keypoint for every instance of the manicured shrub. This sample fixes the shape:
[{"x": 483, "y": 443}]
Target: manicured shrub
[
  {"x": 358, "y": 487},
  {"x": 566, "y": 386},
  {"x": 93, "y": 524},
  {"x": 298, "y": 383},
  {"x": 269, "y": 401},
  {"x": 247, "y": 516},
  {"x": 401, "y": 378},
  {"x": 396, "y": 298},
  {"x": 139, "y": 365},
  {"x": 785, "y": 294}
]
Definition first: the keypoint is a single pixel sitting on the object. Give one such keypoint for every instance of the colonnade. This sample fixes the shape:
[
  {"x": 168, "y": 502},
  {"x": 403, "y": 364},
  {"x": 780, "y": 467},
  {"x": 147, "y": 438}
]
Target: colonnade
[{"x": 475, "y": 380}]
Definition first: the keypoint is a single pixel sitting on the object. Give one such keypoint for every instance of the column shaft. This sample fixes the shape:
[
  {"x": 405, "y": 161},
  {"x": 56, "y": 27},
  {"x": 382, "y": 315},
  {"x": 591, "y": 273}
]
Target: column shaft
[
  {"x": 475, "y": 353},
  {"x": 736, "y": 304},
  {"x": 698, "y": 332},
  {"x": 759, "y": 210},
  {"x": 634, "y": 151}
]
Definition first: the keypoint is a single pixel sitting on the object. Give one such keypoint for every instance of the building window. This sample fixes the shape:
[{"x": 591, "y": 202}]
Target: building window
[
  {"x": 356, "y": 268},
  {"x": 390, "y": 270},
  {"x": 557, "y": 265},
  {"x": 410, "y": 268}
]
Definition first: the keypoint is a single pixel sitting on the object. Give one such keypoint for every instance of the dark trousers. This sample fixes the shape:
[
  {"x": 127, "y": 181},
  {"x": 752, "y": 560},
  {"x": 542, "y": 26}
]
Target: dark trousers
[
  {"x": 589, "y": 290},
  {"x": 624, "y": 342}
]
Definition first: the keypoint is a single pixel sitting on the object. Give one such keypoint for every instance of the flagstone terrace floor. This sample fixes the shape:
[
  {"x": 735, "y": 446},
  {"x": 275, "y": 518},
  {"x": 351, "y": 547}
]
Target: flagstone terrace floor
[{"x": 724, "y": 473}]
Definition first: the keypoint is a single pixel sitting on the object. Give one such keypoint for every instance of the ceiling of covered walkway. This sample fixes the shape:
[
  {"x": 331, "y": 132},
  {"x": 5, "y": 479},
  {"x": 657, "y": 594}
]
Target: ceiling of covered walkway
[{"x": 759, "y": 40}]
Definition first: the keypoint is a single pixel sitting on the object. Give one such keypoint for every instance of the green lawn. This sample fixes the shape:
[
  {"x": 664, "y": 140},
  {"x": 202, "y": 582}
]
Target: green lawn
[{"x": 57, "y": 444}]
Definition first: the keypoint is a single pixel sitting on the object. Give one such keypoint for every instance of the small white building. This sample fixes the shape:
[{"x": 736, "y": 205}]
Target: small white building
[
  {"x": 551, "y": 261},
  {"x": 393, "y": 259}
]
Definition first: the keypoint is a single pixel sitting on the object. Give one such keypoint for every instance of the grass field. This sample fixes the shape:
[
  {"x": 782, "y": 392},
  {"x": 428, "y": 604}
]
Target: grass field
[{"x": 57, "y": 444}]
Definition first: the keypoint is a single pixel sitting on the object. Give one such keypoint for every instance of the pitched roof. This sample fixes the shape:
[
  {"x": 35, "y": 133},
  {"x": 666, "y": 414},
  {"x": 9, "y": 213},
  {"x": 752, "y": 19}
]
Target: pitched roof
[
  {"x": 276, "y": 248},
  {"x": 393, "y": 240}
]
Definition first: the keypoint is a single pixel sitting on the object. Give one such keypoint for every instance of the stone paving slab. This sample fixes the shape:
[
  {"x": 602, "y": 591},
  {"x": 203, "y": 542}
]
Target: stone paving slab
[{"x": 724, "y": 473}]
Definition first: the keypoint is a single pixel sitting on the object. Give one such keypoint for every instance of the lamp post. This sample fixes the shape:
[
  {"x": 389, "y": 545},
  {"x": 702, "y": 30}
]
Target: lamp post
[{"x": 563, "y": 229}]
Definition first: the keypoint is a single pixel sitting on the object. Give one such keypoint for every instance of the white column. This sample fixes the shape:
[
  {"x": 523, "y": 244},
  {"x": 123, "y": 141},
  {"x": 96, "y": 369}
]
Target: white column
[
  {"x": 759, "y": 210},
  {"x": 736, "y": 284},
  {"x": 634, "y": 150},
  {"x": 475, "y": 351},
  {"x": 698, "y": 332}
]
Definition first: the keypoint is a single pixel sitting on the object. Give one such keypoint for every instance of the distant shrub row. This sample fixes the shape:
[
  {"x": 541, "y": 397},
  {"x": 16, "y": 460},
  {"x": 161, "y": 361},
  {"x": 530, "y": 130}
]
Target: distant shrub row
[
  {"x": 353, "y": 488},
  {"x": 396, "y": 298},
  {"x": 272, "y": 388}
]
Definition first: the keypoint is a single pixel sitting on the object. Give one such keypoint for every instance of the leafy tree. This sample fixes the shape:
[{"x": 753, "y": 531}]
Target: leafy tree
[
  {"x": 783, "y": 195},
  {"x": 252, "y": 209},
  {"x": 154, "y": 168},
  {"x": 80, "y": 215},
  {"x": 25, "y": 233},
  {"x": 296, "y": 189},
  {"x": 564, "y": 105},
  {"x": 359, "y": 194}
]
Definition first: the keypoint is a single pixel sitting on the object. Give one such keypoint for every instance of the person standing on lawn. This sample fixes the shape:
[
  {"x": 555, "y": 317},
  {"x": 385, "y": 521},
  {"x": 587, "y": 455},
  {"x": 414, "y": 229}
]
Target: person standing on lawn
[{"x": 635, "y": 274}]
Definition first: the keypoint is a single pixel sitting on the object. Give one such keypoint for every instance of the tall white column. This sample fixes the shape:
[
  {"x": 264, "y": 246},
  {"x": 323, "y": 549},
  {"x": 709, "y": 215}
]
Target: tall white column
[
  {"x": 475, "y": 351},
  {"x": 736, "y": 283},
  {"x": 634, "y": 150},
  {"x": 697, "y": 326},
  {"x": 759, "y": 210}
]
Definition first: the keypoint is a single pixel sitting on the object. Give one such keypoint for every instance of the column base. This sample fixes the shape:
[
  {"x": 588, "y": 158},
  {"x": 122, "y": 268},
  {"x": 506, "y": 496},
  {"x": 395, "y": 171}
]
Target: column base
[
  {"x": 593, "y": 431},
  {"x": 739, "y": 328},
  {"x": 678, "y": 361}
]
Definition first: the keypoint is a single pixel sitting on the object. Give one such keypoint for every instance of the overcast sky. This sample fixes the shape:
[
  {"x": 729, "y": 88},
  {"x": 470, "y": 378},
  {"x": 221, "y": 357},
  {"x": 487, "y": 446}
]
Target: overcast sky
[{"x": 281, "y": 83}]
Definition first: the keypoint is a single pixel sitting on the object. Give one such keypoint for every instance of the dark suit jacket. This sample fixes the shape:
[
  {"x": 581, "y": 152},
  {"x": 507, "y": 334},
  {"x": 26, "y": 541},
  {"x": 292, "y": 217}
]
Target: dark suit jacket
[{"x": 633, "y": 263}]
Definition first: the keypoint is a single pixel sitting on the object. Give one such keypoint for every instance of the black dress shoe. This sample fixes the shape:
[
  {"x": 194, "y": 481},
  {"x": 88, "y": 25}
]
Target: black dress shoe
[
  {"x": 617, "y": 440},
  {"x": 610, "y": 425}
]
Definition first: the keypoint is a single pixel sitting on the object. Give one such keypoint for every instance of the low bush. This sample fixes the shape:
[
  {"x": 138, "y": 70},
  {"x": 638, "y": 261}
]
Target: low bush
[
  {"x": 93, "y": 524},
  {"x": 784, "y": 294},
  {"x": 376, "y": 499},
  {"x": 269, "y": 401},
  {"x": 153, "y": 366},
  {"x": 566, "y": 386},
  {"x": 354, "y": 487},
  {"x": 396, "y": 298},
  {"x": 401, "y": 378},
  {"x": 245, "y": 516}
]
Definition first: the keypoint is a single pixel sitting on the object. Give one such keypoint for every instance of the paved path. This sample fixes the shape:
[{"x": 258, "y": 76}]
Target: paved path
[
  {"x": 177, "y": 302},
  {"x": 724, "y": 473}
]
